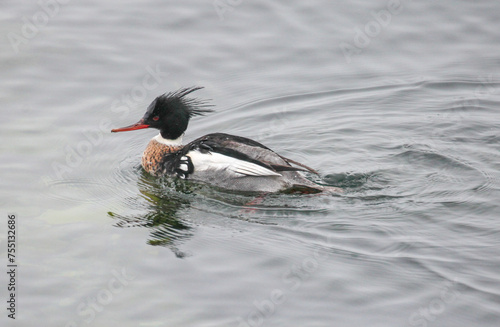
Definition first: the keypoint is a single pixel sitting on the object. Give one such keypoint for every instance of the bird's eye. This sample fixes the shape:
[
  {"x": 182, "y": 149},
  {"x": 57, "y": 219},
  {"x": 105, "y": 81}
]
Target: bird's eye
[{"x": 155, "y": 118}]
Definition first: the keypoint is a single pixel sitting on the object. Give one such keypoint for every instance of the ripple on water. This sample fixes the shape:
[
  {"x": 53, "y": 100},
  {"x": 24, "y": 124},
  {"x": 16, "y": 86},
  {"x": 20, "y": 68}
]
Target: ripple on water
[
  {"x": 81, "y": 190},
  {"x": 442, "y": 177},
  {"x": 98, "y": 189}
]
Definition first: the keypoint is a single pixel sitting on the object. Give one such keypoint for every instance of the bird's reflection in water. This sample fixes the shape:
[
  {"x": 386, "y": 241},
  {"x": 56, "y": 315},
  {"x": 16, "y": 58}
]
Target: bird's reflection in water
[
  {"x": 160, "y": 207},
  {"x": 162, "y": 203}
]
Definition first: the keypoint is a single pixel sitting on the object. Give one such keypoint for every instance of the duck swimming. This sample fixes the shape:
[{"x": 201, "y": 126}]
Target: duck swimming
[{"x": 230, "y": 162}]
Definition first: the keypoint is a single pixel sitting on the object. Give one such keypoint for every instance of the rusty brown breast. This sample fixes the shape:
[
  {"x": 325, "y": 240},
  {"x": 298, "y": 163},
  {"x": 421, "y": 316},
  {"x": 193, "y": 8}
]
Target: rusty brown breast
[{"x": 153, "y": 155}]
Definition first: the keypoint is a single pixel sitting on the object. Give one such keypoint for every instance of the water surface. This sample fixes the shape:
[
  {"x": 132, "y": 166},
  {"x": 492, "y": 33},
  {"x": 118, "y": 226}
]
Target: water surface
[{"x": 407, "y": 124}]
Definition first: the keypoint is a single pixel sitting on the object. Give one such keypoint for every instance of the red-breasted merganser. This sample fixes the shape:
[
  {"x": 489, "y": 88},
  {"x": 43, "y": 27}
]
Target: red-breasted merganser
[{"x": 222, "y": 160}]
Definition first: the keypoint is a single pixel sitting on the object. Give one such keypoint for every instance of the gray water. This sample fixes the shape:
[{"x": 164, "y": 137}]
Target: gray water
[{"x": 395, "y": 102}]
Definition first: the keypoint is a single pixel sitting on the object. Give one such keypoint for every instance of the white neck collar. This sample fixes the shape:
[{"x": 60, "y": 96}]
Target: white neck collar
[{"x": 160, "y": 139}]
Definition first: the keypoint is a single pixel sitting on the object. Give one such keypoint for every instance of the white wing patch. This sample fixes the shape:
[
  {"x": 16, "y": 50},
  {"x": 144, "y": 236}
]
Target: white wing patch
[{"x": 216, "y": 161}]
